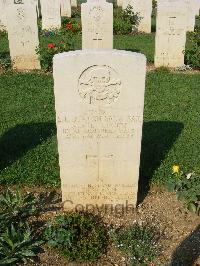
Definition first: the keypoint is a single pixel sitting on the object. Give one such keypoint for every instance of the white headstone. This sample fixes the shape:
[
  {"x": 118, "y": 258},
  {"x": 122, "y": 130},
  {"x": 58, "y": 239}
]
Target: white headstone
[
  {"x": 23, "y": 35},
  {"x": 51, "y": 17},
  {"x": 170, "y": 33},
  {"x": 3, "y": 19},
  {"x": 191, "y": 13},
  {"x": 119, "y": 2},
  {"x": 74, "y": 3},
  {"x": 66, "y": 8},
  {"x": 197, "y": 7},
  {"x": 97, "y": 24},
  {"x": 144, "y": 9},
  {"x": 99, "y": 98}
]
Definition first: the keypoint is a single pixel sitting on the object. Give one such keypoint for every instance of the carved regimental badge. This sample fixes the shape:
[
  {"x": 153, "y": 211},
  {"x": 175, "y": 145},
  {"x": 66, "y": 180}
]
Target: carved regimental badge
[
  {"x": 18, "y": 2},
  {"x": 99, "y": 85}
]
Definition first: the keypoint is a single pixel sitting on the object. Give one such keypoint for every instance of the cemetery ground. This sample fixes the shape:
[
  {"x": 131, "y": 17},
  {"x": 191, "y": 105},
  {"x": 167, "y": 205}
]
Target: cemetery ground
[{"x": 29, "y": 161}]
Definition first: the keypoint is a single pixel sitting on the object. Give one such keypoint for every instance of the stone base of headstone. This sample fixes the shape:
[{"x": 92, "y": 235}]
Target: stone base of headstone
[{"x": 26, "y": 63}]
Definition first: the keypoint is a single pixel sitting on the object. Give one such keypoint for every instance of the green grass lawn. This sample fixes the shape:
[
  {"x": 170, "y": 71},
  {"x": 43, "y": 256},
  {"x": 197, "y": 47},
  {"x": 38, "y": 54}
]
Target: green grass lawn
[
  {"x": 28, "y": 153},
  {"x": 28, "y": 146}
]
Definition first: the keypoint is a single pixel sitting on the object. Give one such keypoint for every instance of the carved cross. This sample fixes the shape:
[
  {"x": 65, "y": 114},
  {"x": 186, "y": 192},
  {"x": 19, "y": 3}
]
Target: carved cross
[
  {"x": 97, "y": 38},
  {"x": 99, "y": 159}
]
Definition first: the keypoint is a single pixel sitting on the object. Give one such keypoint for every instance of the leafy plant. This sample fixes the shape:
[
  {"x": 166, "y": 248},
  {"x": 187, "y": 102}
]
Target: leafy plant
[
  {"x": 192, "y": 52},
  {"x": 5, "y": 61},
  {"x": 187, "y": 188},
  {"x": 80, "y": 237},
  {"x": 76, "y": 12},
  {"x": 138, "y": 242},
  {"x": 125, "y": 21},
  {"x": 64, "y": 41},
  {"x": 15, "y": 206},
  {"x": 18, "y": 244}
]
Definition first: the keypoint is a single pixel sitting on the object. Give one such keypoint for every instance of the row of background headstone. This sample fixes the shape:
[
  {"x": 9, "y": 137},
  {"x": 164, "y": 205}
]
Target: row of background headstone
[{"x": 97, "y": 28}]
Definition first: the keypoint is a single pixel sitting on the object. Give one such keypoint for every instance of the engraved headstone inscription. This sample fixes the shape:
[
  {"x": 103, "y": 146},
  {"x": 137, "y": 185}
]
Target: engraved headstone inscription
[
  {"x": 51, "y": 17},
  {"x": 23, "y": 35},
  {"x": 99, "y": 116},
  {"x": 171, "y": 26},
  {"x": 97, "y": 24}
]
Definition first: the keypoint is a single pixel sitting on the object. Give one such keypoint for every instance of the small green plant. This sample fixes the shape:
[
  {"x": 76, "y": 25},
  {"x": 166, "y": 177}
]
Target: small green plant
[
  {"x": 5, "y": 62},
  {"x": 15, "y": 206},
  {"x": 125, "y": 21},
  {"x": 138, "y": 242},
  {"x": 18, "y": 244},
  {"x": 187, "y": 188},
  {"x": 192, "y": 52},
  {"x": 79, "y": 237}
]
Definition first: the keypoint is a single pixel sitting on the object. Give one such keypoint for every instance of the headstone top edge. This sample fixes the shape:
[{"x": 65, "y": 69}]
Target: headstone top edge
[{"x": 99, "y": 52}]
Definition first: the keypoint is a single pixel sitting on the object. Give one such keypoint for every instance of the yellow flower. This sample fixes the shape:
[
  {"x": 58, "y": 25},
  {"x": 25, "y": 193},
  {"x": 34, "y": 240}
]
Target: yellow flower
[{"x": 176, "y": 169}]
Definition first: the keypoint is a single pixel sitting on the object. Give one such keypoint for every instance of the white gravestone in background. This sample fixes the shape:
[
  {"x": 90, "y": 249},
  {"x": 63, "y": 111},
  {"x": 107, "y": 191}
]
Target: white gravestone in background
[
  {"x": 51, "y": 17},
  {"x": 99, "y": 98},
  {"x": 23, "y": 35},
  {"x": 119, "y": 2},
  {"x": 144, "y": 9},
  {"x": 197, "y": 7},
  {"x": 191, "y": 13},
  {"x": 74, "y": 3},
  {"x": 66, "y": 8},
  {"x": 170, "y": 33},
  {"x": 97, "y": 24},
  {"x": 3, "y": 19}
]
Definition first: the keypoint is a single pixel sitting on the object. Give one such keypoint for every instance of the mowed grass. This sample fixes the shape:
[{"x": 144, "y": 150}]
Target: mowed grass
[{"x": 28, "y": 146}]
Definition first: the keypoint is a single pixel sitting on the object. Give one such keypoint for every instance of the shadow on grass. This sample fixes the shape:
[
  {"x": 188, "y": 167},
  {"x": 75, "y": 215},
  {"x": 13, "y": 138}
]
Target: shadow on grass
[
  {"x": 158, "y": 137},
  {"x": 188, "y": 251},
  {"x": 18, "y": 140}
]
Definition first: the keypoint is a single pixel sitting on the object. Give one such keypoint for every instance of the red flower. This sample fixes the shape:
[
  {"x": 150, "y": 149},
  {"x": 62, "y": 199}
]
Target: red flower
[
  {"x": 51, "y": 45},
  {"x": 69, "y": 26}
]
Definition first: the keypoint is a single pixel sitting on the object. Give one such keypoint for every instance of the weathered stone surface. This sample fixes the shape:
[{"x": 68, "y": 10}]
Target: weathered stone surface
[
  {"x": 144, "y": 9},
  {"x": 99, "y": 98},
  {"x": 74, "y": 3},
  {"x": 23, "y": 35},
  {"x": 65, "y": 8},
  {"x": 51, "y": 17},
  {"x": 119, "y": 2},
  {"x": 3, "y": 19},
  {"x": 171, "y": 26},
  {"x": 191, "y": 13},
  {"x": 97, "y": 24}
]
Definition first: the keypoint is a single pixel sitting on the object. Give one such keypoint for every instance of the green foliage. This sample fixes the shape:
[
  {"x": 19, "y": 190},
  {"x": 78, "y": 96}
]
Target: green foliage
[
  {"x": 17, "y": 240},
  {"x": 138, "y": 242},
  {"x": 192, "y": 52},
  {"x": 18, "y": 244},
  {"x": 187, "y": 188},
  {"x": 5, "y": 61},
  {"x": 80, "y": 237},
  {"x": 28, "y": 145},
  {"x": 57, "y": 41},
  {"x": 14, "y": 206},
  {"x": 76, "y": 12},
  {"x": 154, "y": 4},
  {"x": 125, "y": 21}
]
